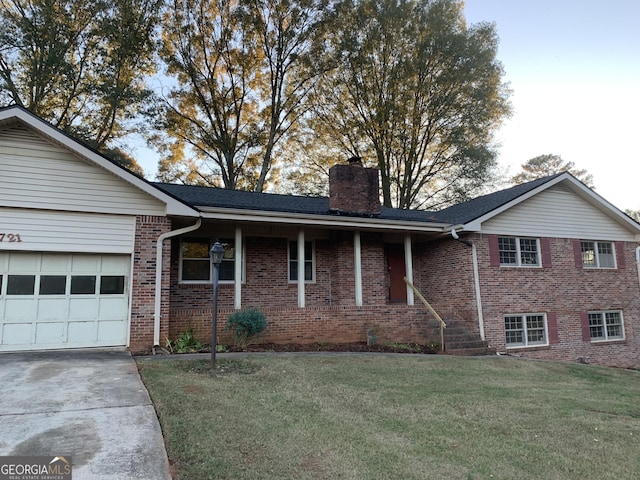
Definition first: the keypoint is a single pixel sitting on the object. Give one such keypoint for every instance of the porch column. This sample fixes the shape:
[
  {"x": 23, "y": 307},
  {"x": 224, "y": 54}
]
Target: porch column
[
  {"x": 357, "y": 261},
  {"x": 301, "y": 258},
  {"x": 237, "y": 270},
  {"x": 408, "y": 262}
]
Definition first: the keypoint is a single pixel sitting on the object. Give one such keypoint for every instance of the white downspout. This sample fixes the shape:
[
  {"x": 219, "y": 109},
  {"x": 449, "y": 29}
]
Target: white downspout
[
  {"x": 158, "y": 290},
  {"x": 638, "y": 261},
  {"x": 476, "y": 279}
]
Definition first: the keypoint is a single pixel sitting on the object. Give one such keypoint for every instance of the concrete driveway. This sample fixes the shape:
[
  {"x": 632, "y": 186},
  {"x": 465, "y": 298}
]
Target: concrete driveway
[{"x": 90, "y": 405}]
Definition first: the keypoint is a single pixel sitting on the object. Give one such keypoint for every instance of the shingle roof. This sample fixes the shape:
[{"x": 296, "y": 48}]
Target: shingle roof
[
  {"x": 219, "y": 197},
  {"x": 199, "y": 196}
]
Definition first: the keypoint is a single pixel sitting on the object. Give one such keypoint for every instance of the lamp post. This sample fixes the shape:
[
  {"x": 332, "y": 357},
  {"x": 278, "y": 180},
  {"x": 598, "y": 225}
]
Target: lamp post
[{"x": 216, "y": 253}]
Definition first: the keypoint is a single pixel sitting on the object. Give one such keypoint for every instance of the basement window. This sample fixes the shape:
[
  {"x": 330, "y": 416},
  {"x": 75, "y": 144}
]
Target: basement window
[
  {"x": 606, "y": 325},
  {"x": 526, "y": 330}
]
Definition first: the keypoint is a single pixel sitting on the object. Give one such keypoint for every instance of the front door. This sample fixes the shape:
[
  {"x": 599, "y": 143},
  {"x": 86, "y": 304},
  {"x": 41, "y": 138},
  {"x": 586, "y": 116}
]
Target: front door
[{"x": 397, "y": 272}]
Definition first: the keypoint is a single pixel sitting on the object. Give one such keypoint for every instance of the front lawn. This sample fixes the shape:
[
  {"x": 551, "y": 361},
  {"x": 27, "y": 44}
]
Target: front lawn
[{"x": 396, "y": 417}]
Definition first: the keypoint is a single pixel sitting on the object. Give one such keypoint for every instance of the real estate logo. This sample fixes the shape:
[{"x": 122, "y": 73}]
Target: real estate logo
[{"x": 35, "y": 468}]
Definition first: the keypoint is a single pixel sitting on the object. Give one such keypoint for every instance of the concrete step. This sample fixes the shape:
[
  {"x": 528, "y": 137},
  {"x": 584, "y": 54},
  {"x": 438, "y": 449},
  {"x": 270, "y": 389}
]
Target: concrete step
[
  {"x": 471, "y": 352},
  {"x": 459, "y": 340}
]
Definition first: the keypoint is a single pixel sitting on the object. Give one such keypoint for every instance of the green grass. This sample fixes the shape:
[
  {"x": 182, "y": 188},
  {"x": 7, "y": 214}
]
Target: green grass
[{"x": 396, "y": 417}]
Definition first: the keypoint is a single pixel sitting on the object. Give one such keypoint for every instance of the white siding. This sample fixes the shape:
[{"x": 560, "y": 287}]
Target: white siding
[
  {"x": 48, "y": 231},
  {"x": 557, "y": 212},
  {"x": 40, "y": 174}
]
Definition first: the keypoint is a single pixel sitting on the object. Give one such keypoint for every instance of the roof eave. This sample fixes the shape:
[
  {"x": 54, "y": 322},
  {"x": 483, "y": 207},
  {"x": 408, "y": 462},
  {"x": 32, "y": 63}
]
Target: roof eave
[{"x": 362, "y": 223}]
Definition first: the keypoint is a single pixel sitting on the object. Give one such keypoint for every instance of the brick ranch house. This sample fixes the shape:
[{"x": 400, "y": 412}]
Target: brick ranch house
[{"x": 93, "y": 256}]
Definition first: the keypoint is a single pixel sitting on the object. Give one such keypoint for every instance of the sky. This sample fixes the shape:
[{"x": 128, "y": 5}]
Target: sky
[{"x": 574, "y": 70}]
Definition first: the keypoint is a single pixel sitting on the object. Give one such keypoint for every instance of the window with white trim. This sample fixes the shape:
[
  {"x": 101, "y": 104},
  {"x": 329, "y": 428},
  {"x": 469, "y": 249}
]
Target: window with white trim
[
  {"x": 606, "y": 325},
  {"x": 597, "y": 254},
  {"x": 526, "y": 330},
  {"x": 195, "y": 262},
  {"x": 309, "y": 261},
  {"x": 519, "y": 252}
]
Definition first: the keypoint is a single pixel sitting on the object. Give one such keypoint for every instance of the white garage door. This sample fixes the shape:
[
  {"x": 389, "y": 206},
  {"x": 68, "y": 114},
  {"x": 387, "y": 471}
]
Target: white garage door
[{"x": 50, "y": 300}]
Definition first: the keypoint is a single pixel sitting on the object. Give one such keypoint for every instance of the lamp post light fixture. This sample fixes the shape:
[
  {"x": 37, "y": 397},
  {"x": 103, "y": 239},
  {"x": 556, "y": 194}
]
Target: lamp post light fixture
[{"x": 216, "y": 253}]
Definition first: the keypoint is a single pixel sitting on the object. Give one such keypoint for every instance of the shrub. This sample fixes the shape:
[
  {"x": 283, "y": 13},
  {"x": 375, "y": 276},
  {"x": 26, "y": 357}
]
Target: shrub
[
  {"x": 185, "y": 343},
  {"x": 246, "y": 326}
]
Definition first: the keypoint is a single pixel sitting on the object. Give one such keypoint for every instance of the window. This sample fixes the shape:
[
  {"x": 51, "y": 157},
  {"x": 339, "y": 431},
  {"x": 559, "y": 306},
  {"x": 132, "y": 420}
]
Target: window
[
  {"x": 195, "y": 263},
  {"x": 21, "y": 284},
  {"x": 83, "y": 285},
  {"x": 597, "y": 254},
  {"x": 606, "y": 325},
  {"x": 309, "y": 267},
  {"x": 112, "y": 285},
  {"x": 526, "y": 330},
  {"x": 226, "y": 271},
  {"x": 53, "y": 284},
  {"x": 519, "y": 252}
]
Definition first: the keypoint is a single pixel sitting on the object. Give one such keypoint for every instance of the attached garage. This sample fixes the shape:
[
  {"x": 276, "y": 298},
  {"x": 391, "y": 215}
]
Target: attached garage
[
  {"x": 50, "y": 300},
  {"x": 78, "y": 243}
]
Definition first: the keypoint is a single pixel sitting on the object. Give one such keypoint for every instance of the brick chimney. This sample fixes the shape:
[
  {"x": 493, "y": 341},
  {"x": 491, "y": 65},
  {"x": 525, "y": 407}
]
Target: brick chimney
[{"x": 354, "y": 189}]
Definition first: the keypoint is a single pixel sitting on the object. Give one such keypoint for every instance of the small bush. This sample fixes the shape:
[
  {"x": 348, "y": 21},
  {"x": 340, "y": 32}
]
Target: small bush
[{"x": 246, "y": 326}]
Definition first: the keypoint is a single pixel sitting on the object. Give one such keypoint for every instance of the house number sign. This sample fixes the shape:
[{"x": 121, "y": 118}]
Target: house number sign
[{"x": 10, "y": 237}]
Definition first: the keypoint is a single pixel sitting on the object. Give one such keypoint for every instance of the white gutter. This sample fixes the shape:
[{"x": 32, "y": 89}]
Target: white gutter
[{"x": 158, "y": 291}]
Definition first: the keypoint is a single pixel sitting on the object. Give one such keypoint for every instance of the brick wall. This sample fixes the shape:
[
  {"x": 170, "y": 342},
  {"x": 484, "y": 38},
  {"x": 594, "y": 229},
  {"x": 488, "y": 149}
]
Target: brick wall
[
  {"x": 330, "y": 314},
  {"x": 339, "y": 324},
  {"x": 563, "y": 291},
  {"x": 266, "y": 282},
  {"x": 148, "y": 229},
  {"x": 443, "y": 272}
]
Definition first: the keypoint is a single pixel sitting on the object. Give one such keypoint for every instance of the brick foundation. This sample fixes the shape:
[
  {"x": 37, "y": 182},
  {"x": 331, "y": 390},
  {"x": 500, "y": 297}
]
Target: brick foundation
[{"x": 396, "y": 323}]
